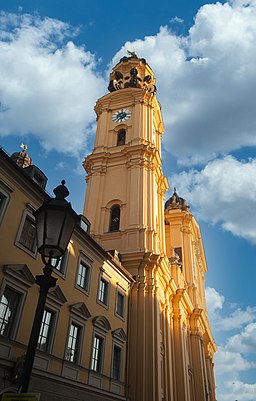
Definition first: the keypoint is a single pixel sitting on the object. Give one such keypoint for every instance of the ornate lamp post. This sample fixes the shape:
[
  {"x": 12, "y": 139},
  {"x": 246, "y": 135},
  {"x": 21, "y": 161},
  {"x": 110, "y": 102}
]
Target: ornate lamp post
[{"x": 55, "y": 222}]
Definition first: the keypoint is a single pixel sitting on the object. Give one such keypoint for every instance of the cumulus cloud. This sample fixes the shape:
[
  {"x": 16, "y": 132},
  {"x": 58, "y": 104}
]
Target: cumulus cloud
[
  {"x": 226, "y": 360},
  {"x": 237, "y": 390},
  {"x": 245, "y": 341},
  {"x": 224, "y": 192},
  {"x": 235, "y": 355},
  {"x": 223, "y": 322},
  {"x": 48, "y": 85},
  {"x": 214, "y": 300},
  {"x": 236, "y": 319},
  {"x": 206, "y": 81}
]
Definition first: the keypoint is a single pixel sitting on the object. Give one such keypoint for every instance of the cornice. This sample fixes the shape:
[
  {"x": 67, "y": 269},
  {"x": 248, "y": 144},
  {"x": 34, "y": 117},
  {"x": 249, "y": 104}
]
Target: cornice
[
  {"x": 127, "y": 97},
  {"x": 21, "y": 180}
]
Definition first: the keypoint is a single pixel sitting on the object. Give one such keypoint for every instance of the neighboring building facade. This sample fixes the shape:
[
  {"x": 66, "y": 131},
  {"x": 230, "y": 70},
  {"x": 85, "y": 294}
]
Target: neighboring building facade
[
  {"x": 137, "y": 314},
  {"x": 82, "y": 345}
]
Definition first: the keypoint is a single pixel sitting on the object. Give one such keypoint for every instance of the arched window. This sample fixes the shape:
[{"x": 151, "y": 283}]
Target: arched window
[
  {"x": 114, "y": 218},
  {"x": 121, "y": 137}
]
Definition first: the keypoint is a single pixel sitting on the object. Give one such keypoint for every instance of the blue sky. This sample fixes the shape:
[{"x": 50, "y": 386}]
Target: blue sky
[{"x": 55, "y": 57}]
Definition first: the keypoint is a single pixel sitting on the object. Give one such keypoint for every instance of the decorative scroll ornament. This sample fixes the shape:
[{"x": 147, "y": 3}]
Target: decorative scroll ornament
[{"x": 131, "y": 81}]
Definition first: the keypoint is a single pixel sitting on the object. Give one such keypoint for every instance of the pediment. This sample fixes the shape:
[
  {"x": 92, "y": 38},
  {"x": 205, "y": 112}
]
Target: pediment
[
  {"x": 56, "y": 295},
  {"x": 102, "y": 323},
  {"x": 81, "y": 310},
  {"x": 20, "y": 272},
  {"x": 119, "y": 334}
]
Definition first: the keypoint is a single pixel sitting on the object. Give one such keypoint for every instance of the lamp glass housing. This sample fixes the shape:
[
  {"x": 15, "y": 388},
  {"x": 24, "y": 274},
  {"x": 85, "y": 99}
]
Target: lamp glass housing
[{"x": 55, "y": 222}]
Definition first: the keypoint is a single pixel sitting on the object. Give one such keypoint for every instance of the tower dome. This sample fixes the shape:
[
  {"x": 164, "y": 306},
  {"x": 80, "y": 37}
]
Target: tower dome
[
  {"x": 22, "y": 159},
  {"x": 175, "y": 201}
]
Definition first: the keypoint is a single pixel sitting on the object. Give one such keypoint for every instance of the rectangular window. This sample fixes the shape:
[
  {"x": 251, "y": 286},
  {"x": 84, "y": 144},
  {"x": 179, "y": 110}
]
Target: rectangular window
[
  {"x": 97, "y": 354},
  {"x": 45, "y": 331},
  {"x": 8, "y": 311},
  {"x": 85, "y": 224},
  {"x": 58, "y": 266},
  {"x": 103, "y": 291},
  {"x": 74, "y": 340},
  {"x": 120, "y": 304},
  {"x": 4, "y": 199},
  {"x": 28, "y": 234},
  {"x": 62, "y": 263},
  {"x": 116, "y": 367},
  {"x": 83, "y": 276}
]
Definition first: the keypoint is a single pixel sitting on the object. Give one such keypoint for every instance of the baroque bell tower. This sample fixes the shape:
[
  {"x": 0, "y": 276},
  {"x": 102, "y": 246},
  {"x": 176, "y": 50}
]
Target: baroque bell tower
[
  {"x": 170, "y": 345},
  {"x": 125, "y": 181}
]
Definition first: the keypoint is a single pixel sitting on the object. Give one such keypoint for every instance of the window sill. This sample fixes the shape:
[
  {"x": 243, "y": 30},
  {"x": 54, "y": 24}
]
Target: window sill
[{"x": 28, "y": 251}]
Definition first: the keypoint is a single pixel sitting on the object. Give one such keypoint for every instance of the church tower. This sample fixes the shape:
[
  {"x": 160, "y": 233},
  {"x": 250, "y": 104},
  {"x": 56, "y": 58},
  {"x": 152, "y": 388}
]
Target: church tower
[
  {"x": 125, "y": 182},
  {"x": 170, "y": 346}
]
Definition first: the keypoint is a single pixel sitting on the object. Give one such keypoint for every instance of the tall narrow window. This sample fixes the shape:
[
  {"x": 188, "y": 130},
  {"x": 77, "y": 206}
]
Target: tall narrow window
[
  {"x": 83, "y": 276},
  {"x": 62, "y": 263},
  {"x": 57, "y": 266},
  {"x": 74, "y": 339},
  {"x": 97, "y": 354},
  {"x": 103, "y": 291},
  {"x": 28, "y": 234},
  {"x": 121, "y": 137},
  {"x": 8, "y": 311},
  {"x": 120, "y": 304},
  {"x": 45, "y": 331},
  {"x": 116, "y": 365},
  {"x": 4, "y": 199},
  {"x": 114, "y": 218}
]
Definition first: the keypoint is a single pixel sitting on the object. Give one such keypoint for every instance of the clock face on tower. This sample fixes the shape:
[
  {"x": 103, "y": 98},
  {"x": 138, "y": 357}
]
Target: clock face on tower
[{"x": 121, "y": 115}]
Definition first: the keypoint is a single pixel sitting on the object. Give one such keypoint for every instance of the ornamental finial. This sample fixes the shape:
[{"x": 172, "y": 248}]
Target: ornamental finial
[
  {"x": 61, "y": 191},
  {"x": 24, "y": 147},
  {"x": 132, "y": 54}
]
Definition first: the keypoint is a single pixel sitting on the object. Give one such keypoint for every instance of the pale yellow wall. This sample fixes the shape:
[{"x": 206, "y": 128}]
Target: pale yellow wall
[{"x": 11, "y": 254}]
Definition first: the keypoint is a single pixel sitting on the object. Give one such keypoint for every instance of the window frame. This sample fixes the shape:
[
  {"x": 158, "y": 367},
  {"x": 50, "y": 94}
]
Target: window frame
[
  {"x": 14, "y": 316},
  {"x": 120, "y": 348},
  {"x": 86, "y": 262},
  {"x": 101, "y": 362},
  {"x": 6, "y": 196},
  {"x": 123, "y": 295},
  {"x": 103, "y": 279},
  {"x": 79, "y": 342},
  {"x": 111, "y": 228},
  {"x": 84, "y": 222},
  {"x": 16, "y": 320},
  {"x": 52, "y": 330},
  {"x": 63, "y": 264},
  {"x": 19, "y": 279},
  {"x": 120, "y": 141},
  {"x": 27, "y": 214}
]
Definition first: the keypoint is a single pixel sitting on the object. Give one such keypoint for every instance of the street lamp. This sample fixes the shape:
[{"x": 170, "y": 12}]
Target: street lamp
[{"x": 55, "y": 222}]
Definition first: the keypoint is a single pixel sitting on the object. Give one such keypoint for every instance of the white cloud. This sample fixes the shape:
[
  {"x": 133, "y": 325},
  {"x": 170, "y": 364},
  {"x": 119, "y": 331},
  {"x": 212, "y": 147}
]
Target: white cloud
[
  {"x": 214, "y": 300},
  {"x": 236, "y": 319},
  {"x": 222, "y": 322},
  {"x": 237, "y": 390},
  {"x": 48, "y": 85},
  {"x": 206, "y": 81},
  {"x": 226, "y": 360},
  {"x": 223, "y": 192},
  {"x": 177, "y": 20},
  {"x": 230, "y": 360},
  {"x": 245, "y": 341}
]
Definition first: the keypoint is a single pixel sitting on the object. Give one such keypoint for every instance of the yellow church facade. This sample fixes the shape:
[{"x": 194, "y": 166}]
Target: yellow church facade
[
  {"x": 152, "y": 328},
  {"x": 171, "y": 348}
]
